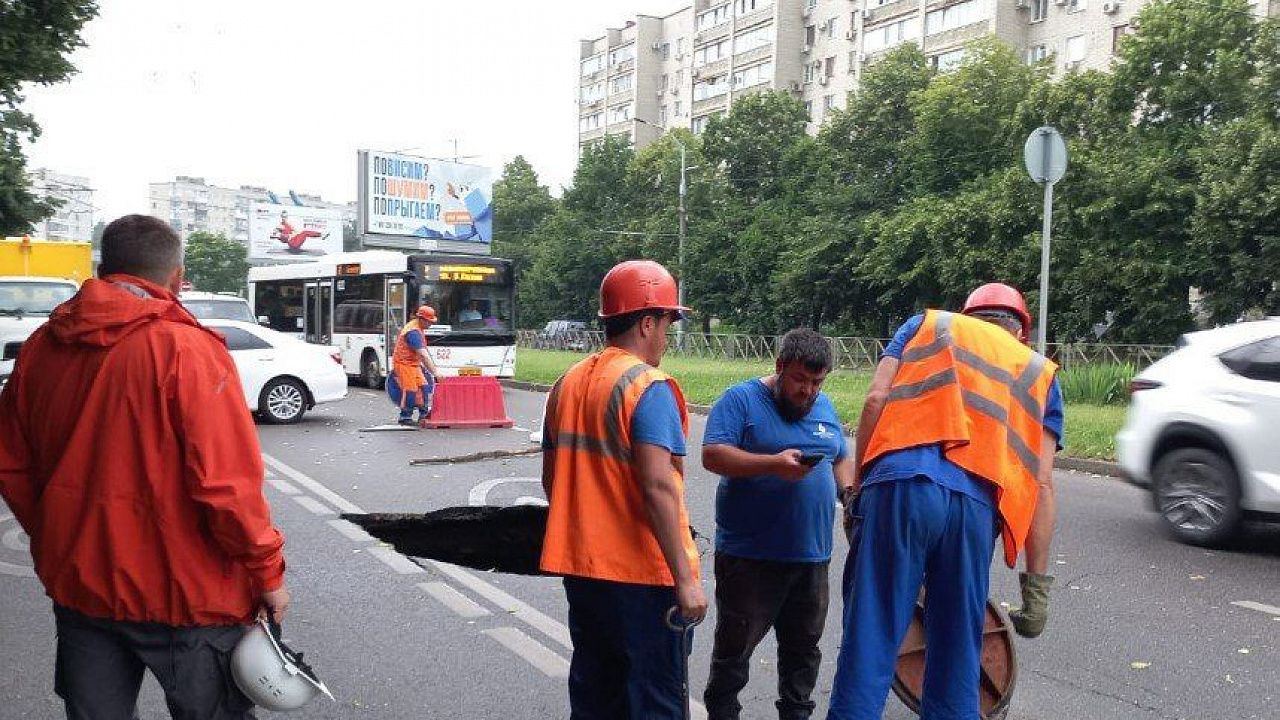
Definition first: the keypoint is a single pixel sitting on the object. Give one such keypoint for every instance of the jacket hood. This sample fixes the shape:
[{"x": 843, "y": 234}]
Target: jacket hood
[{"x": 105, "y": 310}]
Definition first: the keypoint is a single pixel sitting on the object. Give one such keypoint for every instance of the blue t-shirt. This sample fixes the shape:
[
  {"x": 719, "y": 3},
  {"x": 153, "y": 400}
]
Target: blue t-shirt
[
  {"x": 766, "y": 517},
  {"x": 656, "y": 421},
  {"x": 415, "y": 340},
  {"x": 928, "y": 461}
]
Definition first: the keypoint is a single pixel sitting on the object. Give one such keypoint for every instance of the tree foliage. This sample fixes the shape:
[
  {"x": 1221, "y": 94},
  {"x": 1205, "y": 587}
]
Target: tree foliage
[
  {"x": 35, "y": 40},
  {"x": 915, "y": 192},
  {"x": 215, "y": 264}
]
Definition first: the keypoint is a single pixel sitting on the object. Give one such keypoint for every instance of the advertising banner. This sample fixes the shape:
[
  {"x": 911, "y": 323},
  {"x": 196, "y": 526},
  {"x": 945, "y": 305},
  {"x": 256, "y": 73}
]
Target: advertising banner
[
  {"x": 413, "y": 197},
  {"x": 282, "y": 232}
]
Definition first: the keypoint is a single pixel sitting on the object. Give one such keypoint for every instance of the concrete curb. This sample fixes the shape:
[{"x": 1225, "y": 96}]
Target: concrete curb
[{"x": 1088, "y": 465}]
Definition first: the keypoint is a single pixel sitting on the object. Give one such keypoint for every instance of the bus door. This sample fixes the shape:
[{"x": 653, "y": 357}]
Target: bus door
[
  {"x": 395, "y": 313},
  {"x": 318, "y": 312}
]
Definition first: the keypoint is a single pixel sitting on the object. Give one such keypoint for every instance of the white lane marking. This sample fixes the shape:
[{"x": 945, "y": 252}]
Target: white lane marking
[
  {"x": 517, "y": 428},
  {"x": 334, "y": 498},
  {"x": 479, "y": 494},
  {"x": 454, "y": 600},
  {"x": 1260, "y": 607},
  {"x": 278, "y": 483},
  {"x": 395, "y": 560},
  {"x": 534, "y": 652},
  {"x": 507, "y": 603},
  {"x": 352, "y": 531},
  {"x": 312, "y": 504}
]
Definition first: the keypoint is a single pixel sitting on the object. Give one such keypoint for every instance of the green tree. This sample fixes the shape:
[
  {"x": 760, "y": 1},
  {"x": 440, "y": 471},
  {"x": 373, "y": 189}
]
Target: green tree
[
  {"x": 35, "y": 40},
  {"x": 520, "y": 204},
  {"x": 215, "y": 264}
]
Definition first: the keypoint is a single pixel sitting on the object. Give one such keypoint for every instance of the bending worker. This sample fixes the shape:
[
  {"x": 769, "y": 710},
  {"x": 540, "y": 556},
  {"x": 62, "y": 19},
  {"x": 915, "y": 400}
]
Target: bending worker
[
  {"x": 414, "y": 370},
  {"x": 778, "y": 446},
  {"x": 955, "y": 444},
  {"x": 617, "y": 528}
]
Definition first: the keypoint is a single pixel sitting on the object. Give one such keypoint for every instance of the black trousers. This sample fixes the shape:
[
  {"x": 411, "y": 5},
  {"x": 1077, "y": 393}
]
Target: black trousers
[
  {"x": 751, "y": 597},
  {"x": 100, "y": 663}
]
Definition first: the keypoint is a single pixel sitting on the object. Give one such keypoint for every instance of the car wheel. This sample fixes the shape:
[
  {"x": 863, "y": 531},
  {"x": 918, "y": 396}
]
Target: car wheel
[
  {"x": 1197, "y": 495},
  {"x": 370, "y": 371},
  {"x": 282, "y": 401}
]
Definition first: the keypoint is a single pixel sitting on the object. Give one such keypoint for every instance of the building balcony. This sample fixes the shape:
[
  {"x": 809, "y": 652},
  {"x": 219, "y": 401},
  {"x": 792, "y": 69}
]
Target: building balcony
[
  {"x": 756, "y": 17},
  {"x": 750, "y": 56},
  {"x": 701, "y": 107},
  {"x": 620, "y": 97},
  {"x": 587, "y": 107},
  {"x": 711, "y": 35},
  {"x": 711, "y": 69},
  {"x": 589, "y": 135},
  {"x": 622, "y": 67},
  {"x": 957, "y": 36},
  {"x": 891, "y": 10}
]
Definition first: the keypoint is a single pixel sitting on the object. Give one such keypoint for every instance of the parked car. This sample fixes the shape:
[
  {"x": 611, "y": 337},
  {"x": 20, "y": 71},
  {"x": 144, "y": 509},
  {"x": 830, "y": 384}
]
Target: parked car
[
  {"x": 1201, "y": 432},
  {"x": 216, "y": 306},
  {"x": 565, "y": 335},
  {"x": 283, "y": 377}
]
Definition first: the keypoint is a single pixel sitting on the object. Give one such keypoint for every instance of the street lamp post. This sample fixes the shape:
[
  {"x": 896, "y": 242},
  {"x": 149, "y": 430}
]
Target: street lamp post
[{"x": 684, "y": 222}]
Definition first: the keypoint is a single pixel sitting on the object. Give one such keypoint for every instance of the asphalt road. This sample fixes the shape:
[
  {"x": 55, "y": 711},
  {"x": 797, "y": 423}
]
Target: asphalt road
[{"x": 1141, "y": 627}]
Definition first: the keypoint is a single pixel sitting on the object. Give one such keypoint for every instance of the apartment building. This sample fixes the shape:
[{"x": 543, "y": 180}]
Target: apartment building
[
  {"x": 190, "y": 204},
  {"x": 73, "y": 220},
  {"x": 679, "y": 70}
]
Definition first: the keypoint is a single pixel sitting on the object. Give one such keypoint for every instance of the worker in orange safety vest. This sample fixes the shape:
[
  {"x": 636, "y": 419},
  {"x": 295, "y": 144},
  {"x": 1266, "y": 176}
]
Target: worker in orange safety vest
[
  {"x": 617, "y": 529},
  {"x": 955, "y": 448},
  {"x": 415, "y": 371}
]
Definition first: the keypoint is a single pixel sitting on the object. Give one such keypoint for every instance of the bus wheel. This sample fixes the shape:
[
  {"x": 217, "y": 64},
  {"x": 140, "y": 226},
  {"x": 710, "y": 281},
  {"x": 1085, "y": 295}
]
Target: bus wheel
[{"x": 370, "y": 371}]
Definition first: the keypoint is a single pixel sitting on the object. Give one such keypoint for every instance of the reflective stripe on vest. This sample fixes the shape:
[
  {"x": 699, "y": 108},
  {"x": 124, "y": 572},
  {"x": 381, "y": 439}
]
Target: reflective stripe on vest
[
  {"x": 981, "y": 396},
  {"x": 597, "y": 524}
]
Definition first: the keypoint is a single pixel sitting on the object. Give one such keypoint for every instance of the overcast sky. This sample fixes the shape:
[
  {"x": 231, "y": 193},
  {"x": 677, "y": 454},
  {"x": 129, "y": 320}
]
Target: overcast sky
[{"x": 281, "y": 93}]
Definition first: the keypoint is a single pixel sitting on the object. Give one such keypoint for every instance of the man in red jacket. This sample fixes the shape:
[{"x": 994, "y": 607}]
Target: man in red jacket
[{"x": 128, "y": 454}]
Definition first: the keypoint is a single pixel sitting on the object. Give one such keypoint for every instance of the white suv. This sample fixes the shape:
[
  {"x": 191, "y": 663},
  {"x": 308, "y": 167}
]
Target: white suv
[{"x": 1203, "y": 431}]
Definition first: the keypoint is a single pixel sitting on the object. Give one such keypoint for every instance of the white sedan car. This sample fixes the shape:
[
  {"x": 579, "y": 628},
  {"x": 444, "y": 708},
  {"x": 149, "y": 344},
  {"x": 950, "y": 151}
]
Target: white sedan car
[
  {"x": 1202, "y": 432},
  {"x": 283, "y": 377}
]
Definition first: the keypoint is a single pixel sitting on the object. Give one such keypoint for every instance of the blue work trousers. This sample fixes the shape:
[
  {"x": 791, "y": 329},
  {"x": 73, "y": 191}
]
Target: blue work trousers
[
  {"x": 626, "y": 662},
  {"x": 908, "y": 533}
]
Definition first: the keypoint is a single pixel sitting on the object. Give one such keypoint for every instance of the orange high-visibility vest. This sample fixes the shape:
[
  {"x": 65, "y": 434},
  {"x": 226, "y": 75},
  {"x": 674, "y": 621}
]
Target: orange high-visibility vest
[
  {"x": 973, "y": 388},
  {"x": 597, "y": 526},
  {"x": 403, "y": 354}
]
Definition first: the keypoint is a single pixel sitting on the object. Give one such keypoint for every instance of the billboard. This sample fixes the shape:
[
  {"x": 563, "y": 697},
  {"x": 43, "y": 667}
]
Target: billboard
[
  {"x": 283, "y": 232},
  {"x": 406, "y": 196}
]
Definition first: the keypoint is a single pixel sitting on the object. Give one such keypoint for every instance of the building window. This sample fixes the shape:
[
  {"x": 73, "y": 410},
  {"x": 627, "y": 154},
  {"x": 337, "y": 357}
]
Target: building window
[
  {"x": 1039, "y": 10},
  {"x": 587, "y": 123},
  {"x": 829, "y": 66},
  {"x": 828, "y": 103},
  {"x": 699, "y": 124},
  {"x": 713, "y": 17},
  {"x": 810, "y": 4},
  {"x": 710, "y": 53},
  {"x": 1076, "y": 5},
  {"x": 758, "y": 37},
  {"x": 810, "y": 35},
  {"x": 745, "y": 6},
  {"x": 754, "y": 75},
  {"x": 714, "y": 87},
  {"x": 1117, "y": 34},
  {"x": 621, "y": 83},
  {"x": 947, "y": 61},
  {"x": 592, "y": 93},
  {"x": 677, "y": 109},
  {"x": 808, "y": 108},
  {"x": 887, "y": 36},
  {"x": 679, "y": 47},
  {"x": 954, "y": 16},
  {"x": 619, "y": 113},
  {"x": 829, "y": 27},
  {"x": 1076, "y": 49},
  {"x": 662, "y": 114},
  {"x": 666, "y": 51},
  {"x": 1036, "y": 53},
  {"x": 622, "y": 54},
  {"x": 810, "y": 71}
]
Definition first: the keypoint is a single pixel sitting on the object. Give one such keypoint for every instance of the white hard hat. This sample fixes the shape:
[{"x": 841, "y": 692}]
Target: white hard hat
[{"x": 270, "y": 674}]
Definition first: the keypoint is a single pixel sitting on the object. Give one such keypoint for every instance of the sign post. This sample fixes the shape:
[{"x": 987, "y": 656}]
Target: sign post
[{"x": 1045, "y": 156}]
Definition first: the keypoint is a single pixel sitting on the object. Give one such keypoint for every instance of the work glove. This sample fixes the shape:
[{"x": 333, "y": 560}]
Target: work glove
[{"x": 1029, "y": 619}]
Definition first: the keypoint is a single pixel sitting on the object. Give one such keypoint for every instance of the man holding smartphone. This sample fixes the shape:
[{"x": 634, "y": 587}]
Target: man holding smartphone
[{"x": 778, "y": 446}]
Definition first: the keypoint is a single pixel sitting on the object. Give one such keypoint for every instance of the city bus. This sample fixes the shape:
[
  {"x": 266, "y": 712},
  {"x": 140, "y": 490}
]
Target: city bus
[{"x": 358, "y": 302}]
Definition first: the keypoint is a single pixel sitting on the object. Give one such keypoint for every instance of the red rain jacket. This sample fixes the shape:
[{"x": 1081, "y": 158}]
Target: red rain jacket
[{"x": 128, "y": 454}]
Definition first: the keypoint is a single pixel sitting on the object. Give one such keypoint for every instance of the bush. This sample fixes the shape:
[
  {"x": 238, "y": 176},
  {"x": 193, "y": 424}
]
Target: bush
[{"x": 1097, "y": 384}]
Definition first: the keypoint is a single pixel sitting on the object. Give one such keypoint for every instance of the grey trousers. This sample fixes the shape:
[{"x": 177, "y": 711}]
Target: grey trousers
[{"x": 99, "y": 668}]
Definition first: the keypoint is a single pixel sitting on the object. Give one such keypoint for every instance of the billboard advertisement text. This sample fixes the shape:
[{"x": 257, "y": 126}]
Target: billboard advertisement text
[
  {"x": 414, "y": 197},
  {"x": 282, "y": 232}
]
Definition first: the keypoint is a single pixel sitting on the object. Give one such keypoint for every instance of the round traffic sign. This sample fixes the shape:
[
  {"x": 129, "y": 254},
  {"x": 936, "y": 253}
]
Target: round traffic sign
[{"x": 1045, "y": 155}]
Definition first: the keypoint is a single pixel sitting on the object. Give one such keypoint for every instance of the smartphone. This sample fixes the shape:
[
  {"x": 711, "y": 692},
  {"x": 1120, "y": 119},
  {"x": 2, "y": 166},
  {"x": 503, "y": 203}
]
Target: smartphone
[{"x": 811, "y": 459}]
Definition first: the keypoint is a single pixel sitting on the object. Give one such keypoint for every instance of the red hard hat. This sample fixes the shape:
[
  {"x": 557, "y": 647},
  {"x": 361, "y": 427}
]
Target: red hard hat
[
  {"x": 426, "y": 312},
  {"x": 998, "y": 296},
  {"x": 635, "y": 285}
]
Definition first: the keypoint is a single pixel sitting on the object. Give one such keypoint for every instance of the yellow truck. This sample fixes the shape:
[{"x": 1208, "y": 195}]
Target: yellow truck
[{"x": 35, "y": 277}]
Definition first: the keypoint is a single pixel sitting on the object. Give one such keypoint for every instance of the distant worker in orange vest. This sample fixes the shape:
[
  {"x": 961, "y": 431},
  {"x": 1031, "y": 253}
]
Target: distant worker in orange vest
[
  {"x": 414, "y": 370},
  {"x": 617, "y": 530},
  {"x": 955, "y": 447}
]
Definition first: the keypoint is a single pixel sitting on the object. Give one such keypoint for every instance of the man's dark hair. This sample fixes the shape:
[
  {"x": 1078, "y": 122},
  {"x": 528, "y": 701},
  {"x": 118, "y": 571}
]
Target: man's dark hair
[
  {"x": 620, "y": 324},
  {"x": 140, "y": 245},
  {"x": 805, "y": 346}
]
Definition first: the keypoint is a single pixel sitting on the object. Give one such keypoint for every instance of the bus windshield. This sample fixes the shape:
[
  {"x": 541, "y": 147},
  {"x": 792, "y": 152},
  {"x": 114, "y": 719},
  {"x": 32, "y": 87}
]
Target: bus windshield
[{"x": 468, "y": 295}]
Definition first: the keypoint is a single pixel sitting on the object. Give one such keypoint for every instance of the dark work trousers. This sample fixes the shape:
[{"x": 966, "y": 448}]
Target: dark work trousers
[
  {"x": 751, "y": 597},
  {"x": 626, "y": 662},
  {"x": 99, "y": 668}
]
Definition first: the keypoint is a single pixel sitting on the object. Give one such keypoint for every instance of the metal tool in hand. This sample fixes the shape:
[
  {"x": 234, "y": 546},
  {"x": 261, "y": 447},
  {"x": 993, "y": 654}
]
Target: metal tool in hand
[{"x": 676, "y": 623}]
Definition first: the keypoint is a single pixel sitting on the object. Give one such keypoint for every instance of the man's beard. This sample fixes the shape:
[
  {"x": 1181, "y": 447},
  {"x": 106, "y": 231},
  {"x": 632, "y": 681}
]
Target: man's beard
[{"x": 789, "y": 410}]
